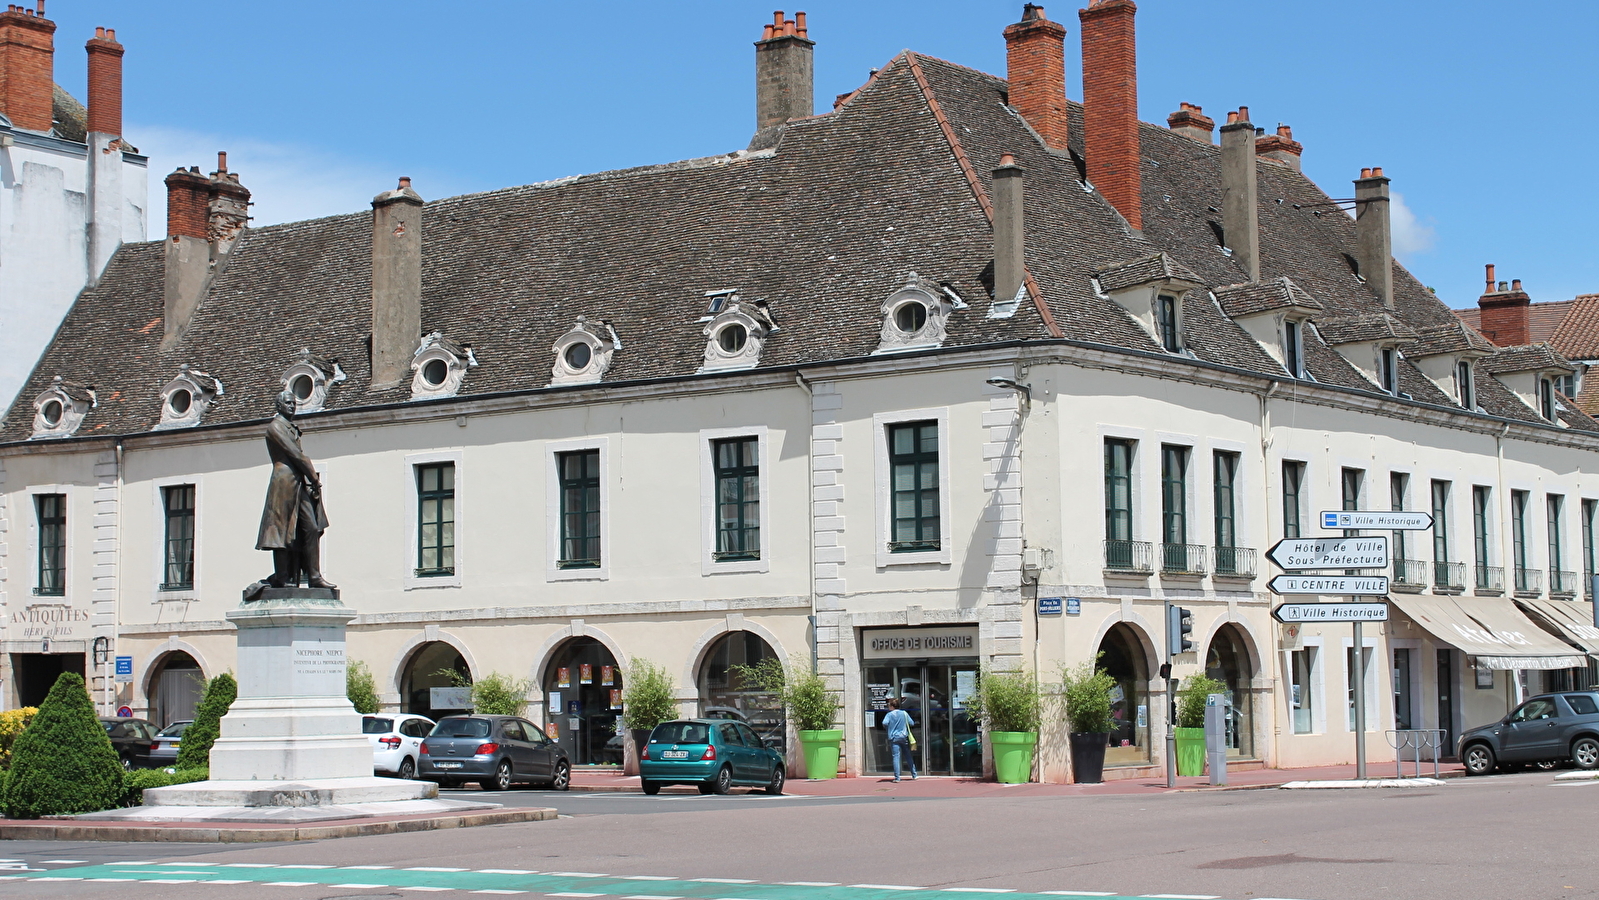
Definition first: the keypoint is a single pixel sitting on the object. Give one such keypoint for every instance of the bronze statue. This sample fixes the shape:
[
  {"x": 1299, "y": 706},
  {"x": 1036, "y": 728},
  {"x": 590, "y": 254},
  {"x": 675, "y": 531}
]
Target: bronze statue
[{"x": 293, "y": 520}]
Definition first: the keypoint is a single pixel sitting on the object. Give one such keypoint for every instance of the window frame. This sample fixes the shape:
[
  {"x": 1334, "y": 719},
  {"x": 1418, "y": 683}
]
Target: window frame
[
  {"x": 708, "y": 438},
  {"x": 1294, "y": 348},
  {"x": 1111, "y": 509},
  {"x": 413, "y": 462},
  {"x": 1174, "y": 492},
  {"x": 424, "y": 497},
  {"x": 1590, "y": 510},
  {"x": 1482, "y": 519},
  {"x": 554, "y": 451},
  {"x": 39, "y": 494},
  {"x": 1168, "y": 322},
  {"x": 585, "y": 484},
  {"x": 1546, "y": 398},
  {"x": 164, "y": 492},
  {"x": 1554, "y": 511},
  {"x": 1518, "y": 536},
  {"x": 1294, "y": 499},
  {"x": 1315, "y": 674},
  {"x": 915, "y": 458},
  {"x": 1388, "y": 370},
  {"x": 1465, "y": 389},
  {"x": 1224, "y": 497},
  {"x": 1398, "y": 498},
  {"x": 883, "y": 473}
]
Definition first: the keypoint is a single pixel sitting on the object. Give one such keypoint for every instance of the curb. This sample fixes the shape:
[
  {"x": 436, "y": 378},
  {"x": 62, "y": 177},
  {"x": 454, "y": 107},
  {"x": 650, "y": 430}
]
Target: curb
[{"x": 69, "y": 830}]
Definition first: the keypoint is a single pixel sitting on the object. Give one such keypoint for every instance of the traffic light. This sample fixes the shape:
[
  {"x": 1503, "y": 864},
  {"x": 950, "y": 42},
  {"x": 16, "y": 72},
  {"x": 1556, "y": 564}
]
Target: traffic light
[{"x": 1179, "y": 625}]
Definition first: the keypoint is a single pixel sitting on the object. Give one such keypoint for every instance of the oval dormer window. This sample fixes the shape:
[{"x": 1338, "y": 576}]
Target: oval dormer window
[
  {"x": 435, "y": 372},
  {"x": 910, "y": 317},
  {"x": 51, "y": 412},
  {"x": 302, "y": 386},
  {"x": 180, "y": 402},
  {"x": 732, "y": 338},
  {"x": 579, "y": 355}
]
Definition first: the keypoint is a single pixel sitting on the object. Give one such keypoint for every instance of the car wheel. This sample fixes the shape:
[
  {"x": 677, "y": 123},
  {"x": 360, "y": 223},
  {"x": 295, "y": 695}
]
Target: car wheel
[
  {"x": 775, "y": 786},
  {"x": 1585, "y": 753},
  {"x": 650, "y": 787},
  {"x": 407, "y": 769},
  {"x": 501, "y": 780},
  {"x": 127, "y": 764},
  {"x": 1479, "y": 760},
  {"x": 723, "y": 782},
  {"x": 562, "y": 779}
]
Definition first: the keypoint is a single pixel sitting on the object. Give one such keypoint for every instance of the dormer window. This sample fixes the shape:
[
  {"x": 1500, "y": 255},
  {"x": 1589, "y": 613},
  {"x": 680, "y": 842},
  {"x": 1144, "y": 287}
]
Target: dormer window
[
  {"x": 736, "y": 336},
  {"x": 1464, "y": 389},
  {"x": 439, "y": 366},
  {"x": 1166, "y": 323},
  {"x": 60, "y": 408},
  {"x": 1293, "y": 347},
  {"x": 914, "y": 317},
  {"x": 310, "y": 379},
  {"x": 1546, "y": 398},
  {"x": 1388, "y": 370},
  {"x": 583, "y": 354},
  {"x": 185, "y": 399}
]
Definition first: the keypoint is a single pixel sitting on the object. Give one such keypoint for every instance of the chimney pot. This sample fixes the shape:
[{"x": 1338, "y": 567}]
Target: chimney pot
[
  {"x": 799, "y": 23},
  {"x": 1232, "y": 118},
  {"x": 1365, "y": 172},
  {"x": 1035, "y": 66},
  {"x": 1504, "y": 285},
  {"x": 1376, "y": 171},
  {"x": 785, "y": 75},
  {"x": 1489, "y": 287},
  {"x": 405, "y": 182},
  {"x": 1110, "y": 105},
  {"x": 1190, "y": 121},
  {"x": 777, "y": 19},
  {"x": 1243, "y": 114},
  {"x": 1515, "y": 284},
  {"x": 1007, "y": 159},
  {"x": 1285, "y": 131}
]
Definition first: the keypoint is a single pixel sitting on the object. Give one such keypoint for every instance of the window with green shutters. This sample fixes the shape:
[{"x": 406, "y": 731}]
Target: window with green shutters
[
  {"x": 913, "y": 465},
  {"x": 51, "y": 510},
  {"x": 1554, "y": 506},
  {"x": 1118, "y": 490},
  {"x": 1440, "y": 521},
  {"x": 1590, "y": 508},
  {"x": 1293, "y": 483},
  {"x": 1518, "y": 539},
  {"x": 435, "y": 519},
  {"x": 1481, "y": 497},
  {"x": 580, "y": 509},
  {"x": 738, "y": 498},
  {"x": 177, "y": 503},
  {"x": 1170, "y": 337},
  {"x": 1174, "y": 506},
  {"x": 1226, "y": 481},
  {"x": 1398, "y": 489}
]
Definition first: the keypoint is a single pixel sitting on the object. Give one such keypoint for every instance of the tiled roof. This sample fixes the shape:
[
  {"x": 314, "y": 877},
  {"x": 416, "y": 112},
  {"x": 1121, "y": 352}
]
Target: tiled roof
[
  {"x": 1528, "y": 358},
  {"x": 823, "y": 226},
  {"x": 1450, "y": 337},
  {"x": 1379, "y": 326},
  {"x": 1155, "y": 267},
  {"x": 1577, "y": 336},
  {"x": 1262, "y": 296}
]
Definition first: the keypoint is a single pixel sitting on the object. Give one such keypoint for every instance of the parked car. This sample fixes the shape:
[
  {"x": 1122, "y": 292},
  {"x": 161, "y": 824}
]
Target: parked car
[
  {"x": 131, "y": 738},
  {"x": 494, "y": 751},
  {"x": 164, "y": 750},
  {"x": 1546, "y": 728},
  {"x": 396, "y": 742},
  {"x": 769, "y": 727},
  {"x": 712, "y": 754}
]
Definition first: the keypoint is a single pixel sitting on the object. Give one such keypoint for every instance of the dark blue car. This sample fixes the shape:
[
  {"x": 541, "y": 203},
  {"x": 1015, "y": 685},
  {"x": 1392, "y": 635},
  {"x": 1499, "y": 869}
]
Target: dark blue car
[
  {"x": 713, "y": 754},
  {"x": 1547, "y": 728}
]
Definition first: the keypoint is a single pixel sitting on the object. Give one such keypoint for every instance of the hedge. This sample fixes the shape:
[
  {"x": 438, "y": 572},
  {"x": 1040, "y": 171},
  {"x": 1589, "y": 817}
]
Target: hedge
[
  {"x": 194, "y": 751},
  {"x": 140, "y": 780},
  {"x": 63, "y": 763}
]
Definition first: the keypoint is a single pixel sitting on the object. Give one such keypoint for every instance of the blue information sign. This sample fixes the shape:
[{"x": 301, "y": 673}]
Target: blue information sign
[
  {"x": 1074, "y": 607},
  {"x": 1049, "y": 606},
  {"x": 124, "y": 665}
]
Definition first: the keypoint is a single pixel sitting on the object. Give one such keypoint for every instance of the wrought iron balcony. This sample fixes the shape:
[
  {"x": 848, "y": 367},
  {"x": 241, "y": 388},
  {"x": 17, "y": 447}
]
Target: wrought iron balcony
[
  {"x": 1183, "y": 559},
  {"x": 1529, "y": 581},
  {"x": 1562, "y": 582},
  {"x": 1130, "y": 556},
  {"x": 1237, "y": 562},
  {"x": 1449, "y": 576},
  {"x": 1489, "y": 578},
  {"x": 1410, "y": 571}
]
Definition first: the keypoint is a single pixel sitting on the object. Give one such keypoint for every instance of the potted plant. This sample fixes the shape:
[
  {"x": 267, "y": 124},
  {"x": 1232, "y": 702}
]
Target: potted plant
[
  {"x": 1191, "y": 722},
  {"x": 1086, "y": 694},
  {"x": 811, "y": 707},
  {"x": 1009, "y": 706},
  {"x": 648, "y": 699}
]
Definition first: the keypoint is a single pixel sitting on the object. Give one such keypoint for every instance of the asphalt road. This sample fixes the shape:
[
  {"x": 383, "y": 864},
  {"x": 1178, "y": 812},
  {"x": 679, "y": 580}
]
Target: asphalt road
[{"x": 1512, "y": 836}]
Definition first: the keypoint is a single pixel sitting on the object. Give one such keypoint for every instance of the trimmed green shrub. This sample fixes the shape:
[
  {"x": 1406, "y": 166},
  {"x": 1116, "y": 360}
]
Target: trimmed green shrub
[
  {"x": 1006, "y": 701},
  {"x": 361, "y": 687},
  {"x": 495, "y": 694},
  {"x": 140, "y": 780},
  {"x": 648, "y": 698},
  {"x": 1085, "y": 694},
  {"x": 12, "y": 722},
  {"x": 1191, "y": 700},
  {"x": 63, "y": 763},
  {"x": 804, "y": 693},
  {"x": 194, "y": 750}
]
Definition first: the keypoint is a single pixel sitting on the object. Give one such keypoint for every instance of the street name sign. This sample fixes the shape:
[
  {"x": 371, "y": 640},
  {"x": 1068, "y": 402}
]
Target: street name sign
[
  {"x": 1331, "y": 612},
  {"x": 1397, "y": 520},
  {"x": 124, "y": 669},
  {"x": 1331, "y": 553},
  {"x": 1049, "y": 606},
  {"x": 1352, "y": 585}
]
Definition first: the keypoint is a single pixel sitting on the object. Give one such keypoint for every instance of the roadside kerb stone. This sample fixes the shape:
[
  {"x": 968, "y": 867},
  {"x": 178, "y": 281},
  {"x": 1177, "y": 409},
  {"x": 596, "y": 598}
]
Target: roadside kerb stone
[
  {"x": 68, "y": 829},
  {"x": 1367, "y": 783}
]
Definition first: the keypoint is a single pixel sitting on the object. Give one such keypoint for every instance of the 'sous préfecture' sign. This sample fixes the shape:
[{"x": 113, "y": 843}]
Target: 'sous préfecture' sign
[
  {"x": 1331, "y": 553},
  {"x": 1396, "y": 520},
  {"x": 895, "y": 643},
  {"x": 1356, "y": 585},
  {"x": 1331, "y": 612}
]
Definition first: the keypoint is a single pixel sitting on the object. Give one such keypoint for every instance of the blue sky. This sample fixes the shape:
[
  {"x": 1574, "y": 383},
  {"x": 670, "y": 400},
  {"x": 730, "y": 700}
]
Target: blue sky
[{"x": 1479, "y": 111}]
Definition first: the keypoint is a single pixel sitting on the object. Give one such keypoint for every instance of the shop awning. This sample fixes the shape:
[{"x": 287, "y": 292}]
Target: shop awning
[
  {"x": 1572, "y": 618},
  {"x": 1494, "y": 631}
]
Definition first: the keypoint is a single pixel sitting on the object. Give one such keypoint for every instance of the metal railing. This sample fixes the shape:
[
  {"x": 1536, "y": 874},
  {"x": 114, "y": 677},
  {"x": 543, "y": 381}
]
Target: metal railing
[
  {"x": 1562, "y": 582},
  {"x": 1183, "y": 559},
  {"x": 1239, "y": 561},
  {"x": 1489, "y": 578},
  {"x": 1449, "y": 576},
  {"x": 1130, "y": 556},
  {"x": 1410, "y": 571},
  {"x": 1416, "y": 740},
  {"x": 1587, "y": 585},
  {"x": 1529, "y": 580}
]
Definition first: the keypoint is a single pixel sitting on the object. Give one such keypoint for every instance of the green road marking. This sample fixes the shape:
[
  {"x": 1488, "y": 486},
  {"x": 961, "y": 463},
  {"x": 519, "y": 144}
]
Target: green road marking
[{"x": 571, "y": 885}]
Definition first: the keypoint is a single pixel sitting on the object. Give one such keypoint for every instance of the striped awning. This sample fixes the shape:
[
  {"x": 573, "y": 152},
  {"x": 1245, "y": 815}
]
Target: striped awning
[
  {"x": 1573, "y": 619},
  {"x": 1494, "y": 631}
]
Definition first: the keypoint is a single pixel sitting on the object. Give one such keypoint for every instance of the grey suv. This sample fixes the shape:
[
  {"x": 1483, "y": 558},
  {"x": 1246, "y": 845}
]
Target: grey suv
[{"x": 1547, "y": 728}]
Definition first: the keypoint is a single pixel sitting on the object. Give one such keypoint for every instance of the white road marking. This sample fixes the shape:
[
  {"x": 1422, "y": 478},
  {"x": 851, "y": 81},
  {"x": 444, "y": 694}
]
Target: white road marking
[
  {"x": 725, "y": 880},
  {"x": 1180, "y": 897},
  {"x": 79, "y": 862},
  {"x": 182, "y": 864},
  {"x": 108, "y": 880},
  {"x": 650, "y": 897},
  {"x": 375, "y": 868},
  {"x": 288, "y": 883},
  {"x": 572, "y": 894},
  {"x": 507, "y": 871},
  {"x": 432, "y": 869},
  {"x": 215, "y": 881},
  {"x": 233, "y": 865},
  {"x": 648, "y": 878},
  {"x": 301, "y": 866},
  {"x": 191, "y": 871},
  {"x": 889, "y": 887},
  {"x": 1080, "y": 893},
  {"x": 359, "y": 885},
  {"x": 810, "y": 883},
  {"x": 57, "y": 878},
  {"x": 496, "y": 891},
  {"x": 141, "y": 862},
  {"x": 576, "y": 875},
  {"x": 992, "y": 890}
]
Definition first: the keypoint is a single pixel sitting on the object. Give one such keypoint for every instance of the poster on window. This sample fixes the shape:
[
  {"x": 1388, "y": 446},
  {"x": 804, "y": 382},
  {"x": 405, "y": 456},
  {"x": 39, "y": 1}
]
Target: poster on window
[
  {"x": 585, "y": 674},
  {"x": 616, "y": 698},
  {"x": 607, "y": 675},
  {"x": 563, "y": 677},
  {"x": 552, "y": 731}
]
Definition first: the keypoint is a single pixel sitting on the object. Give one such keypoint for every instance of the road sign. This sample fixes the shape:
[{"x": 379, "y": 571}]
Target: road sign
[
  {"x": 124, "y": 669},
  {"x": 1385, "y": 521},
  {"x": 1351, "y": 585},
  {"x": 1331, "y": 553},
  {"x": 1074, "y": 606},
  {"x": 1331, "y": 612},
  {"x": 1049, "y": 606}
]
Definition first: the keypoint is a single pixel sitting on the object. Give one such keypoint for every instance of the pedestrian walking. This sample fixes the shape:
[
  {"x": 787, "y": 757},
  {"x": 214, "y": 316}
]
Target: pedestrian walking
[{"x": 898, "y": 724}]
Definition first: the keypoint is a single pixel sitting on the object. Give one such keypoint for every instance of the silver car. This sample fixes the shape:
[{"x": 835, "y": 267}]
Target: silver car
[{"x": 164, "y": 750}]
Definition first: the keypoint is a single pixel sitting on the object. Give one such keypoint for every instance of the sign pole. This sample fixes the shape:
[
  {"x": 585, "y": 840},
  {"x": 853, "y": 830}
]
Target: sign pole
[
  {"x": 1171, "y": 735},
  {"x": 1360, "y": 706}
]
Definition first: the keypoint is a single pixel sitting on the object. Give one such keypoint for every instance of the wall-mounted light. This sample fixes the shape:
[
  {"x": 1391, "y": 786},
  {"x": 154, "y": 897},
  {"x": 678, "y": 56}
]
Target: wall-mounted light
[
  {"x": 1013, "y": 384},
  {"x": 102, "y": 650}
]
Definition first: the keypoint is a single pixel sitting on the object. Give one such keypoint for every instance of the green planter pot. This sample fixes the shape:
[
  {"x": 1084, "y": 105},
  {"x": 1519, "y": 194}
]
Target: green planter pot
[
  {"x": 1190, "y": 751},
  {"x": 1013, "y": 755},
  {"x": 821, "y": 752}
]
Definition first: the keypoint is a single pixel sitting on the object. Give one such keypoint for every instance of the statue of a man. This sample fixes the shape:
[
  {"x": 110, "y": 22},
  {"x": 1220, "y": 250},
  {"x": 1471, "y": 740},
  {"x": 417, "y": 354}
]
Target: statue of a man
[{"x": 293, "y": 521}]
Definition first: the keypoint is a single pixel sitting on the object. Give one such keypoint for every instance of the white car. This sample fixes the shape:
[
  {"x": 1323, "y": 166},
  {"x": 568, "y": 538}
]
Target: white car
[{"x": 396, "y": 742}]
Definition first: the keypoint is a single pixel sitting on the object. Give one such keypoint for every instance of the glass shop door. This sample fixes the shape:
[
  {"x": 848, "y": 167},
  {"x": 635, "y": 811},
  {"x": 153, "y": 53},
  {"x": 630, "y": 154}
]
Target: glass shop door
[{"x": 947, "y": 738}]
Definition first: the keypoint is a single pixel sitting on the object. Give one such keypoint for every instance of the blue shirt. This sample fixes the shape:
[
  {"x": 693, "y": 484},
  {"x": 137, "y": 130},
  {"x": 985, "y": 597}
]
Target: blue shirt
[{"x": 898, "y": 723}]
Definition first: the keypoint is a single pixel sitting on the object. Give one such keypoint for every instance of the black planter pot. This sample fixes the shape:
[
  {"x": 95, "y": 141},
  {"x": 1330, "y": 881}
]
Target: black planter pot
[
  {"x": 641, "y": 736},
  {"x": 1088, "y": 757}
]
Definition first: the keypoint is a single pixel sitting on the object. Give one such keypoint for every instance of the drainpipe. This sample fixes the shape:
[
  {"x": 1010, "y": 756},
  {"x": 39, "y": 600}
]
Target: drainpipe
[
  {"x": 116, "y": 596},
  {"x": 1265, "y": 471}
]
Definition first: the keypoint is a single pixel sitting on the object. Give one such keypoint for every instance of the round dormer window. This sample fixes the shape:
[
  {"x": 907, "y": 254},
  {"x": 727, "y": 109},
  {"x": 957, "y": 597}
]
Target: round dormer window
[
  {"x": 578, "y": 356},
  {"x": 732, "y": 338},
  {"x": 180, "y": 401},
  {"x": 302, "y": 387},
  {"x": 435, "y": 372},
  {"x": 910, "y": 317},
  {"x": 51, "y": 412}
]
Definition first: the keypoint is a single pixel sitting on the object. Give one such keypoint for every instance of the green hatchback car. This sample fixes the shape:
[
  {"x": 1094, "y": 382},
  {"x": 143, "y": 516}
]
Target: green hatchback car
[{"x": 713, "y": 754}]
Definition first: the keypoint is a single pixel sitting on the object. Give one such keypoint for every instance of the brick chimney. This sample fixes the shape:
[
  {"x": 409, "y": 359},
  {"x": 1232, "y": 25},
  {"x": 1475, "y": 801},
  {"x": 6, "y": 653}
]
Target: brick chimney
[
  {"x": 785, "y": 80},
  {"x": 1374, "y": 235},
  {"x": 1191, "y": 121},
  {"x": 1035, "y": 64},
  {"x": 1281, "y": 147},
  {"x": 227, "y": 206},
  {"x": 396, "y": 284},
  {"x": 1240, "y": 217},
  {"x": 188, "y": 254},
  {"x": 1110, "y": 105},
  {"x": 27, "y": 62},
  {"x": 105, "y": 82},
  {"x": 1505, "y": 312},
  {"x": 1010, "y": 265}
]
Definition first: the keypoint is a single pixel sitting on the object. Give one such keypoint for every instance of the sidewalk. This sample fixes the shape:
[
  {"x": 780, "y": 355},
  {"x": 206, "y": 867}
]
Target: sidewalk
[{"x": 877, "y": 785}]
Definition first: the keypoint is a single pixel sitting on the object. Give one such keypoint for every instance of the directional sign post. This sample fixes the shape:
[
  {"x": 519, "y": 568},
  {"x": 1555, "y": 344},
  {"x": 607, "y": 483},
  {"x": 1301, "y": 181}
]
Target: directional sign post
[
  {"x": 1398, "y": 520},
  {"x": 1350, "y": 585},
  {"x": 1331, "y": 553},
  {"x": 1331, "y": 612}
]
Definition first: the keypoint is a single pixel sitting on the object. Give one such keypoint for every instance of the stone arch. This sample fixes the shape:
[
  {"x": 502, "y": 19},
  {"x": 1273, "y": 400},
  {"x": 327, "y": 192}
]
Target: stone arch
[
  {"x": 689, "y": 682},
  {"x": 1140, "y": 627},
  {"x": 429, "y": 635},
  {"x": 1251, "y": 642},
  {"x": 545, "y": 654},
  {"x": 177, "y": 701}
]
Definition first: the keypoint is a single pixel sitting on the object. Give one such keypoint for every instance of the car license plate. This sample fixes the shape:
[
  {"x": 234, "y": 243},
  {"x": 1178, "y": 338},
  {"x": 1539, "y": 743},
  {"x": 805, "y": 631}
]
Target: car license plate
[
  {"x": 447, "y": 765},
  {"x": 674, "y": 754}
]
